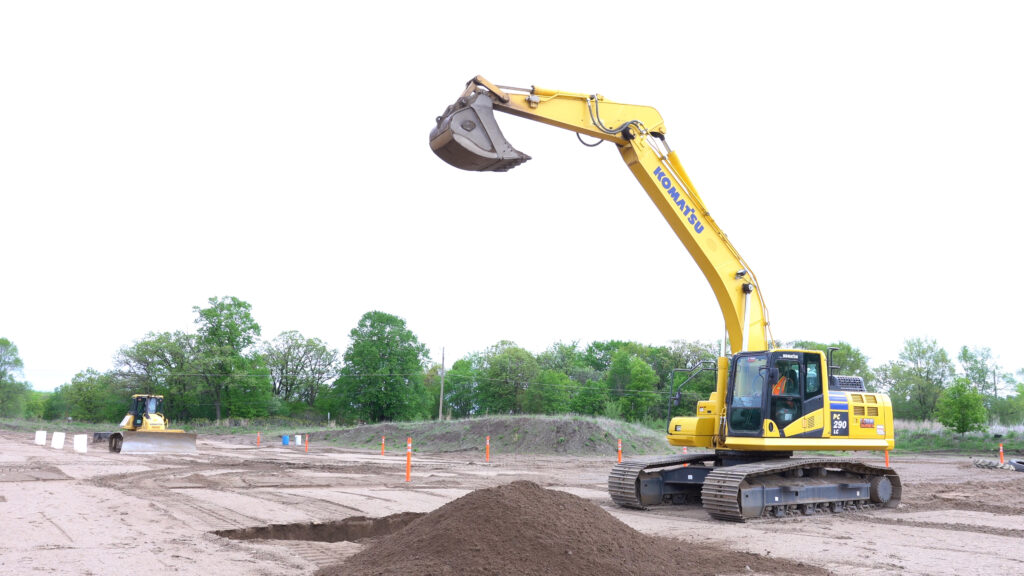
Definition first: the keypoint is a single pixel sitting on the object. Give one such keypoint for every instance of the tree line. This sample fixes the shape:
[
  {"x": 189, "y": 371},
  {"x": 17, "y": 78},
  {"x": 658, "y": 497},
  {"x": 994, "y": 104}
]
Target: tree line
[{"x": 223, "y": 370}]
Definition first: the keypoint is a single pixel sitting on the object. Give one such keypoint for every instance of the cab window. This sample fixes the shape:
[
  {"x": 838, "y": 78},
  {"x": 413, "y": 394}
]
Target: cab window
[
  {"x": 812, "y": 386},
  {"x": 748, "y": 385},
  {"x": 789, "y": 380}
]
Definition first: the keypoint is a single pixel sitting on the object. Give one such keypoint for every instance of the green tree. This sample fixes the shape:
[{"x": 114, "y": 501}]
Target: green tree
[
  {"x": 961, "y": 408},
  {"x": 93, "y": 396},
  {"x": 227, "y": 333},
  {"x": 922, "y": 373},
  {"x": 984, "y": 375},
  {"x": 632, "y": 383},
  {"x": 382, "y": 375},
  {"x": 14, "y": 394},
  {"x": 36, "y": 406},
  {"x": 599, "y": 355},
  {"x": 850, "y": 360},
  {"x": 251, "y": 393},
  {"x": 591, "y": 398},
  {"x": 891, "y": 379},
  {"x": 166, "y": 364},
  {"x": 663, "y": 360},
  {"x": 507, "y": 370},
  {"x": 616, "y": 376},
  {"x": 549, "y": 394},
  {"x": 460, "y": 388},
  {"x": 11, "y": 363},
  {"x": 300, "y": 368},
  {"x": 979, "y": 369},
  {"x": 58, "y": 403},
  {"x": 569, "y": 360},
  {"x": 1009, "y": 410}
]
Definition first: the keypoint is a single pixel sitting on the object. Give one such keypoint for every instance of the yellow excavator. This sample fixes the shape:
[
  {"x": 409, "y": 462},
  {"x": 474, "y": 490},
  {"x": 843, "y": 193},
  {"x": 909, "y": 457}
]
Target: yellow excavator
[
  {"x": 144, "y": 430},
  {"x": 769, "y": 402}
]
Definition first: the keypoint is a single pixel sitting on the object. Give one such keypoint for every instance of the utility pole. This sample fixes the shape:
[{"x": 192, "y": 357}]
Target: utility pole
[{"x": 440, "y": 402}]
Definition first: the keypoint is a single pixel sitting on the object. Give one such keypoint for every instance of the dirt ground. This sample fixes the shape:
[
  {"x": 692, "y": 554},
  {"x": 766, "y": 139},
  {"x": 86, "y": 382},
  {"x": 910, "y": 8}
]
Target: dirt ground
[{"x": 233, "y": 508}]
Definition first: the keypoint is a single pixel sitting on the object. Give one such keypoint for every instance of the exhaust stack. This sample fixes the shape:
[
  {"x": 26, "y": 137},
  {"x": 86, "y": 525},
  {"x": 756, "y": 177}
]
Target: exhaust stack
[{"x": 468, "y": 137}]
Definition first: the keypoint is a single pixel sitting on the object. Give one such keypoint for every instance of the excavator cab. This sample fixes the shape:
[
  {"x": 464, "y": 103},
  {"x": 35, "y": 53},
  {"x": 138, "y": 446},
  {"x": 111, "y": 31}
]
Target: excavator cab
[
  {"x": 467, "y": 137},
  {"x": 770, "y": 391}
]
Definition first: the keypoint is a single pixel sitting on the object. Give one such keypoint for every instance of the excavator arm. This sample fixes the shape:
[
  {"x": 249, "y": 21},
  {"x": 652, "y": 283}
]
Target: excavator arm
[{"x": 467, "y": 137}]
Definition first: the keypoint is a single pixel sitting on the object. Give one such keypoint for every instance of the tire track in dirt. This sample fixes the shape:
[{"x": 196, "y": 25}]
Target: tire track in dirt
[
  {"x": 312, "y": 505},
  {"x": 57, "y": 526},
  {"x": 322, "y": 554},
  {"x": 209, "y": 518},
  {"x": 951, "y": 526},
  {"x": 168, "y": 489}
]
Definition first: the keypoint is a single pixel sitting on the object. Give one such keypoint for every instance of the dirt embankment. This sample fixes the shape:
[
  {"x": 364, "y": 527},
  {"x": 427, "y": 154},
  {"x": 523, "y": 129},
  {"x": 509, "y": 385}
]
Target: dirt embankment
[
  {"x": 581, "y": 436},
  {"x": 570, "y": 435}
]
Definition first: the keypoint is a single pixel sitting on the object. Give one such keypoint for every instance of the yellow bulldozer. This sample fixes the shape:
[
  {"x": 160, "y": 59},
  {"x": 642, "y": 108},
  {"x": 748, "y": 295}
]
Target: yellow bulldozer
[{"x": 144, "y": 430}]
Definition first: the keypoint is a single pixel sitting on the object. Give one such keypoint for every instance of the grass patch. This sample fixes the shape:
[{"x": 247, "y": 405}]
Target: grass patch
[{"x": 927, "y": 436}]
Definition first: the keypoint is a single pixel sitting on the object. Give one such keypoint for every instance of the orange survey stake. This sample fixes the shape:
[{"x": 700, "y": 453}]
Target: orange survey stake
[{"x": 408, "y": 458}]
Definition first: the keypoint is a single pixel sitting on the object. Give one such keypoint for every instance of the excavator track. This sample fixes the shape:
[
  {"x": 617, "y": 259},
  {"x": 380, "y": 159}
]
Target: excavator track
[
  {"x": 798, "y": 485},
  {"x": 767, "y": 488},
  {"x": 624, "y": 480}
]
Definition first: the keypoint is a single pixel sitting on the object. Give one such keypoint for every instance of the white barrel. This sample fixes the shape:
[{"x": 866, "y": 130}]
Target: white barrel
[
  {"x": 41, "y": 437},
  {"x": 298, "y": 439},
  {"x": 81, "y": 443},
  {"x": 58, "y": 440}
]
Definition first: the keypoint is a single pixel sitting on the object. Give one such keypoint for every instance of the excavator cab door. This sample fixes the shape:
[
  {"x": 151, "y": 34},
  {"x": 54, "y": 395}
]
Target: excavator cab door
[
  {"x": 796, "y": 389},
  {"x": 747, "y": 377},
  {"x": 468, "y": 137},
  {"x": 137, "y": 410}
]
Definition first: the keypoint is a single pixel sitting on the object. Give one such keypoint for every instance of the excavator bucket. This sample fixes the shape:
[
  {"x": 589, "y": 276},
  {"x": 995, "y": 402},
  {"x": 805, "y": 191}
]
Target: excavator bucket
[
  {"x": 467, "y": 137},
  {"x": 127, "y": 442}
]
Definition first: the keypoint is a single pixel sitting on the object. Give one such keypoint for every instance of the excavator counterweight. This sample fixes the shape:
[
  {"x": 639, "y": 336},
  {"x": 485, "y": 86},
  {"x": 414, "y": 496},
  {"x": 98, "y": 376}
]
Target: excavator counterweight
[{"x": 468, "y": 137}]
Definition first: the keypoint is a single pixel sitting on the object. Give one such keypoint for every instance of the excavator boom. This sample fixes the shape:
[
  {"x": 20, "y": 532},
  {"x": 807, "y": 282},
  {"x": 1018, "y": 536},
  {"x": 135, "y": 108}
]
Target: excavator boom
[{"x": 467, "y": 136}]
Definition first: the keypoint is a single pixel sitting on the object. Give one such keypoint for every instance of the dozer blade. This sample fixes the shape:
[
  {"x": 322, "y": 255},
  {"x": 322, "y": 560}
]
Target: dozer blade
[
  {"x": 157, "y": 442},
  {"x": 467, "y": 137}
]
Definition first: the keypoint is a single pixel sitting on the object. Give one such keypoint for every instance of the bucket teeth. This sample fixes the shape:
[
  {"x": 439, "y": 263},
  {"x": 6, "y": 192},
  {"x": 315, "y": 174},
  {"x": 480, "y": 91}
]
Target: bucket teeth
[{"x": 468, "y": 137}]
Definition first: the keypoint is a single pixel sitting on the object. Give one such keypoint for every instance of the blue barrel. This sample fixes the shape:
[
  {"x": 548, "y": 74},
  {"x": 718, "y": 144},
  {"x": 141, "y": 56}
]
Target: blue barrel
[{"x": 284, "y": 440}]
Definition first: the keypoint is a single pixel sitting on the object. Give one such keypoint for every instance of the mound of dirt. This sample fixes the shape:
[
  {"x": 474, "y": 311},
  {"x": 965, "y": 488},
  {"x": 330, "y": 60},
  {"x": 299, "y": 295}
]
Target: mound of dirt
[{"x": 522, "y": 529}]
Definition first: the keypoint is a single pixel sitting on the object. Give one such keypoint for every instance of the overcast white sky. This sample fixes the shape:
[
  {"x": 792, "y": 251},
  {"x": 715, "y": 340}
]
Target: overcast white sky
[{"x": 864, "y": 157}]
